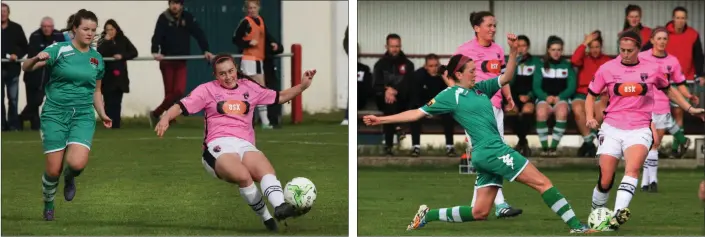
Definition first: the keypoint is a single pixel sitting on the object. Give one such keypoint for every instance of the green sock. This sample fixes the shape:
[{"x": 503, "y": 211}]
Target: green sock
[
  {"x": 558, "y": 131},
  {"x": 560, "y": 206},
  {"x": 49, "y": 185},
  {"x": 71, "y": 173},
  {"x": 680, "y": 136},
  {"x": 453, "y": 214},
  {"x": 542, "y": 131},
  {"x": 590, "y": 137}
]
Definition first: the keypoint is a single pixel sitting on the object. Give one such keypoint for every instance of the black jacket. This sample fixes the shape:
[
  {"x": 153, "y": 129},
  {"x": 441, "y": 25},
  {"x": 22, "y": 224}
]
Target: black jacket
[
  {"x": 172, "y": 36},
  {"x": 116, "y": 77},
  {"x": 345, "y": 41},
  {"x": 426, "y": 87},
  {"x": 38, "y": 42},
  {"x": 13, "y": 42},
  {"x": 396, "y": 72},
  {"x": 243, "y": 29}
]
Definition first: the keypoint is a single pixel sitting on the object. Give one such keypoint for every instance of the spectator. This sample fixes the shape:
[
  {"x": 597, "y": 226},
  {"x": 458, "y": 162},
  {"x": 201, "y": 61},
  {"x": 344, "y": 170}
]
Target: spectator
[
  {"x": 271, "y": 79},
  {"x": 428, "y": 83},
  {"x": 171, "y": 38},
  {"x": 345, "y": 47},
  {"x": 35, "y": 81},
  {"x": 553, "y": 87},
  {"x": 364, "y": 83},
  {"x": 521, "y": 88},
  {"x": 116, "y": 82},
  {"x": 587, "y": 65},
  {"x": 14, "y": 47},
  {"x": 684, "y": 43},
  {"x": 392, "y": 81},
  {"x": 632, "y": 21},
  {"x": 252, "y": 38}
]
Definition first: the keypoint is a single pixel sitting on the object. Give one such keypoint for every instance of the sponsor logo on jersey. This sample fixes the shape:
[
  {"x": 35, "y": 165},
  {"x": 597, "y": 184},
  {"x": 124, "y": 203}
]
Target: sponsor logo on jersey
[
  {"x": 644, "y": 76},
  {"x": 629, "y": 89},
  {"x": 431, "y": 102},
  {"x": 233, "y": 107}
]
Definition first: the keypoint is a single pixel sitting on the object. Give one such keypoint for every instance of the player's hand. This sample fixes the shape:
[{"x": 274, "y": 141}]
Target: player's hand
[
  {"x": 158, "y": 56},
  {"x": 697, "y": 112},
  {"x": 701, "y": 194},
  {"x": 253, "y": 42},
  {"x": 161, "y": 127},
  {"x": 524, "y": 98},
  {"x": 694, "y": 99},
  {"x": 512, "y": 41},
  {"x": 42, "y": 56},
  {"x": 13, "y": 57},
  {"x": 117, "y": 56},
  {"x": 107, "y": 122},
  {"x": 208, "y": 55},
  {"x": 307, "y": 78},
  {"x": 591, "y": 123},
  {"x": 274, "y": 46},
  {"x": 510, "y": 104},
  {"x": 371, "y": 120}
]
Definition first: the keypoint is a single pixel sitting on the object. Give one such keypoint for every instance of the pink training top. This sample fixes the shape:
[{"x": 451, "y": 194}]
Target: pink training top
[
  {"x": 631, "y": 90},
  {"x": 228, "y": 112},
  {"x": 489, "y": 61},
  {"x": 674, "y": 72}
]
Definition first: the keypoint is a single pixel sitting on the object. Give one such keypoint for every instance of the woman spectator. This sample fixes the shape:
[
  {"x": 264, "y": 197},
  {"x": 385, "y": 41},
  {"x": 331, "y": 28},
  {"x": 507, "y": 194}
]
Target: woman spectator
[
  {"x": 114, "y": 43},
  {"x": 587, "y": 65},
  {"x": 521, "y": 88},
  {"x": 632, "y": 21}
]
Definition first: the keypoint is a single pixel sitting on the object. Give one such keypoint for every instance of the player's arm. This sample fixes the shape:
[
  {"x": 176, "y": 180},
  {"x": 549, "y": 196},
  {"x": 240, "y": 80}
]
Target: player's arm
[
  {"x": 289, "y": 94},
  {"x": 677, "y": 97},
  {"x": 403, "y": 117},
  {"x": 596, "y": 86},
  {"x": 508, "y": 74},
  {"x": 98, "y": 102},
  {"x": 35, "y": 62},
  {"x": 572, "y": 84},
  {"x": 191, "y": 104},
  {"x": 679, "y": 79}
]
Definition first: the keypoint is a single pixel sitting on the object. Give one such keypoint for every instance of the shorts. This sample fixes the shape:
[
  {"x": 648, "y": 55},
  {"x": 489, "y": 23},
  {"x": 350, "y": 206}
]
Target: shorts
[
  {"x": 503, "y": 163},
  {"x": 613, "y": 141},
  {"x": 63, "y": 126},
  {"x": 252, "y": 67},
  {"x": 694, "y": 89},
  {"x": 224, "y": 145},
  {"x": 538, "y": 101},
  {"x": 499, "y": 117},
  {"x": 583, "y": 97},
  {"x": 663, "y": 121}
]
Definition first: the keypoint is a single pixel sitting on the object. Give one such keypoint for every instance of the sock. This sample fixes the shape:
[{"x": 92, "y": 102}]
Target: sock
[
  {"x": 625, "y": 193},
  {"x": 255, "y": 200},
  {"x": 453, "y": 214},
  {"x": 49, "y": 185},
  {"x": 542, "y": 131},
  {"x": 593, "y": 134},
  {"x": 560, "y": 206},
  {"x": 272, "y": 189},
  {"x": 499, "y": 199},
  {"x": 262, "y": 109},
  {"x": 599, "y": 199},
  {"x": 558, "y": 131},
  {"x": 679, "y": 136},
  {"x": 645, "y": 172},
  {"x": 71, "y": 173},
  {"x": 653, "y": 166}
]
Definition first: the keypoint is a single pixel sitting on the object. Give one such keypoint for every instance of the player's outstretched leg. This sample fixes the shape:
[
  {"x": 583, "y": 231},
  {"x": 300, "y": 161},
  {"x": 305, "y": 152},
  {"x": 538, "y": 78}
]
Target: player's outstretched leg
[
  {"x": 482, "y": 201},
  {"x": 652, "y": 160}
]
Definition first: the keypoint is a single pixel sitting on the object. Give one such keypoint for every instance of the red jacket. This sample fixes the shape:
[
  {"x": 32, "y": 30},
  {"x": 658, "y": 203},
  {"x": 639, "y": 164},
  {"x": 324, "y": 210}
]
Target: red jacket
[
  {"x": 587, "y": 66},
  {"x": 686, "y": 47}
]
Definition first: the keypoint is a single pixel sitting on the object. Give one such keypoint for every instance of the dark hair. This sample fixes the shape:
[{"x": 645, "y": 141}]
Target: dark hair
[
  {"x": 547, "y": 57},
  {"x": 631, "y": 35},
  {"x": 431, "y": 57},
  {"x": 453, "y": 64},
  {"x": 69, "y": 23},
  {"x": 118, "y": 30},
  {"x": 627, "y": 10},
  {"x": 181, "y": 1},
  {"x": 226, "y": 57},
  {"x": 525, "y": 39},
  {"x": 679, "y": 9},
  {"x": 658, "y": 29},
  {"x": 81, "y": 15},
  {"x": 5, "y": 5},
  {"x": 477, "y": 18},
  {"x": 393, "y": 36},
  {"x": 599, "y": 36}
]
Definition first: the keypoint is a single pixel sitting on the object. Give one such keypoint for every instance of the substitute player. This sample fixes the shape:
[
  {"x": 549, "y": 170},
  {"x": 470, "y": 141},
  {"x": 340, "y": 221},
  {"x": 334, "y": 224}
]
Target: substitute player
[
  {"x": 662, "y": 110},
  {"x": 470, "y": 105},
  {"x": 229, "y": 147},
  {"x": 67, "y": 119},
  {"x": 489, "y": 60},
  {"x": 626, "y": 131}
]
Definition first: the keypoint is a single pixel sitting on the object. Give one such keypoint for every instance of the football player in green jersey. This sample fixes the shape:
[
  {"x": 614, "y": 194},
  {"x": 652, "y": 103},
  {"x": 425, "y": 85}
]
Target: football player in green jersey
[
  {"x": 470, "y": 106},
  {"x": 67, "y": 119}
]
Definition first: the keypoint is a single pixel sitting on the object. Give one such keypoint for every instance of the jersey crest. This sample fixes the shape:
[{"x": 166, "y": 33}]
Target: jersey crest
[
  {"x": 431, "y": 102},
  {"x": 644, "y": 76},
  {"x": 94, "y": 62}
]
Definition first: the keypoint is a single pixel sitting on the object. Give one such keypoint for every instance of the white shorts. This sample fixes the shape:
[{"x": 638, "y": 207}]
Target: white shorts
[
  {"x": 613, "y": 141},
  {"x": 499, "y": 117},
  {"x": 252, "y": 67},
  {"x": 224, "y": 145},
  {"x": 663, "y": 121}
]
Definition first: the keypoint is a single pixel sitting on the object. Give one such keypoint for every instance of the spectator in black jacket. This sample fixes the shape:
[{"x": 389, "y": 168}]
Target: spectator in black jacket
[
  {"x": 428, "y": 83},
  {"x": 35, "y": 81},
  {"x": 14, "y": 47},
  {"x": 172, "y": 36},
  {"x": 393, "y": 76},
  {"x": 113, "y": 43}
]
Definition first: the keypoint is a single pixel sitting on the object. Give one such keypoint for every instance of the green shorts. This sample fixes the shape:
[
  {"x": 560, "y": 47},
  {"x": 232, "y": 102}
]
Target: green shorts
[
  {"x": 539, "y": 101},
  {"x": 694, "y": 89},
  {"x": 583, "y": 97},
  {"x": 493, "y": 165},
  {"x": 63, "y": 126}
]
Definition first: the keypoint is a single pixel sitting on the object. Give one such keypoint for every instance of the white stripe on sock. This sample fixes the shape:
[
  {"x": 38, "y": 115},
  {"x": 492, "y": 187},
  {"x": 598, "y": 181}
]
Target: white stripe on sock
[
  {"x": 442, "y": 215},
  {"x": 567, "y": 215},
  {"x": 456, "y": 214},
  {"x": 558, "y": 205}
]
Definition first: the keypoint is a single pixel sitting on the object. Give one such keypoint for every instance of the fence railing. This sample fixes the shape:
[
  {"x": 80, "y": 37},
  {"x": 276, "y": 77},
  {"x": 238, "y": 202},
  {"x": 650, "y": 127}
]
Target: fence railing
[{"x": 296, "y": 103}]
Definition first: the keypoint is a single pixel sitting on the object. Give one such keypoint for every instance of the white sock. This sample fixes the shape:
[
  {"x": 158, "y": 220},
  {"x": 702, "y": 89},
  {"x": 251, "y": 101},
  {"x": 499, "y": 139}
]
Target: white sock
[
  {"x": 499, "y": 199},
  {"x": 254, "y": 199},
  {"x": 645, "y": 172},
  {"x": 272, "y": 189},
  {"x": 653, "y": 169},
  {"x": 599, "y": 199},
  {"x": 625, "y": 192},
  {"x": 262, "y": 109}
]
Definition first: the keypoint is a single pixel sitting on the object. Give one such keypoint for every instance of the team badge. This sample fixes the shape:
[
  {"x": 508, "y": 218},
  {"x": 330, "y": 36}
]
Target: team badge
[
  {"x": 668, "y": 68},
  {"x": 246, "y": 95},
  {"x": 216, "y": 149},
  {"x": 94, "y": 62},
  {"x": 644, "y": 76},
  {"x": 498, "y": 56},
  {"x": 431, "y": 102}
]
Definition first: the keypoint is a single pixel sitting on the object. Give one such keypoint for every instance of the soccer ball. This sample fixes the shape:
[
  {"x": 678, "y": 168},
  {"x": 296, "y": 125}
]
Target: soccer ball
[
  {"x": 300, "y": 192},
  {"x": 599, "y": 219}
]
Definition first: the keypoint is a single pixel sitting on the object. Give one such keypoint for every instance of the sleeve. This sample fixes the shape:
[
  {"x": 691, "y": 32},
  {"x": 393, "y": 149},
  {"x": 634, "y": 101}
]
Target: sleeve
[
  {"x": 572, "y": 84},
  {"x": 130, "y": 50},
  {"x": 101, "y": 68},
  {"x": 194, "y": 102},
  {"x": 491, "y": 86},
  {"x": 22, "y": 46},
  {"x": 239, "y": 36},
  {"x": 537, "y": 83},
  {"x": 264, "y": 96},
  {"x": 598, "y": 83},
  {"x": 158, "y": 35},
  {"x": 53, "y": 51},
  {"x": 698, "y": 58},
  {"x": 578, "y": 56},
  {"x": 677, "y": 77},
  {"x": 443, "y": 103},
  {"x": 197, "y": 33}
]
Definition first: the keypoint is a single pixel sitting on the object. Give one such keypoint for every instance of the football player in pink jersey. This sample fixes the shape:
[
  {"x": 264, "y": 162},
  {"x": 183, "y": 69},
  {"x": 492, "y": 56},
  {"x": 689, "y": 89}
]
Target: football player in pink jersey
[
  {"x": 662, "y": 118},
  {"x": 229, "y": 151},
  {"x": 489, "y": 60},
  {"x": 626, "y": 131}
]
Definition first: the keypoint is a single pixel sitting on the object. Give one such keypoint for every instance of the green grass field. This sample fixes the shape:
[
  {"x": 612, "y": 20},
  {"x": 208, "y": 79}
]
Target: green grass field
[
  {"x": 389, "y": 197},
  {"x": 137, "y": 184}
]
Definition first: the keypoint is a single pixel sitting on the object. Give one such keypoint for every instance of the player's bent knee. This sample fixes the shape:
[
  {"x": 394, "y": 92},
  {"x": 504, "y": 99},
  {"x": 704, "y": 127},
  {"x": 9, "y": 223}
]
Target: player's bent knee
[
  {"x": 528, "y": 108},
  {"x": 257, "y": 164},
  {"x": 480, "y": 214},
  {"x": 605, "y": 181},
  {"x": 229, "y": 168}
]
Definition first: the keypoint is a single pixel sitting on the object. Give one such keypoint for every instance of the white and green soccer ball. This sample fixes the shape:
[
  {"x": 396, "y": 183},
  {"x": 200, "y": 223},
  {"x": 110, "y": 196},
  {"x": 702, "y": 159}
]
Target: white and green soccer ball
[
  {"x": 300, "y": 192},
  {"x": 599, "y": 219}
]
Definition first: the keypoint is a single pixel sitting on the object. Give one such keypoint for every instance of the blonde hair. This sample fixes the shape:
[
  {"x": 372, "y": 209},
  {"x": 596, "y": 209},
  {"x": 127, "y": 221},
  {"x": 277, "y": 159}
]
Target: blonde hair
[{"x": 247, "y": 4}]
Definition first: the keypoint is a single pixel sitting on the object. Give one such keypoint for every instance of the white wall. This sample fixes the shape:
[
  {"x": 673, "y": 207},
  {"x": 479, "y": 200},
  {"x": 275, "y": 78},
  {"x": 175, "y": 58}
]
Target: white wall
[{"x": 314, "y": 31}]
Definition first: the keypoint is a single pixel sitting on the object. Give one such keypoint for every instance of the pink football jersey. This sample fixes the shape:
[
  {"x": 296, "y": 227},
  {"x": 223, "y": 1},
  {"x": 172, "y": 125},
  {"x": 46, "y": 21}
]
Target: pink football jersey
[{"x": 489, "y": 61}]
